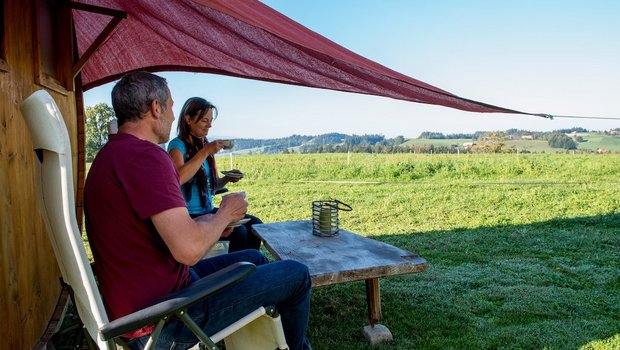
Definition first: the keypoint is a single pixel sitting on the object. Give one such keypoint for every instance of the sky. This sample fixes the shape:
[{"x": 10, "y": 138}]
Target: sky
[{"x": 560, "y": 57}]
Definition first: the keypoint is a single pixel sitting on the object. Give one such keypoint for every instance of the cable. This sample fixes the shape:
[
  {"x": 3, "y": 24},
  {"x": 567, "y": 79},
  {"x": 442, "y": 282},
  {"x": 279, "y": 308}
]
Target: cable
[{"x": 549, "y": 116}]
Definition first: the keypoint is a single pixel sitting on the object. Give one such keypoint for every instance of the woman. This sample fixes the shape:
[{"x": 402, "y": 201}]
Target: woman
[{"x": 193, "y": 157}]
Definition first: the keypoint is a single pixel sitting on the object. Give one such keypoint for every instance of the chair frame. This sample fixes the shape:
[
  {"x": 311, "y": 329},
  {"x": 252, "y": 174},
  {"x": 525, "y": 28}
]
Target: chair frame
[{"x": 55, "y": 196}]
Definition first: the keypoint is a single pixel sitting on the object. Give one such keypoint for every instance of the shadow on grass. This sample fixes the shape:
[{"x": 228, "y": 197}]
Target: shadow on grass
[{"x": 548, "y": 285}]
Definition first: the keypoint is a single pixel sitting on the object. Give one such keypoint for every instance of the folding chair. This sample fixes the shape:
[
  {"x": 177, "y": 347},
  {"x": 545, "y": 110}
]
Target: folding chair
[{"x": 261, "y": 329}]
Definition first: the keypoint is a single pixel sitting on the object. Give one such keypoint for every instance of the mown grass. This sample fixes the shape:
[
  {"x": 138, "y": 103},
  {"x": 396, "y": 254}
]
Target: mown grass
[{"x": 524, "y": 250}]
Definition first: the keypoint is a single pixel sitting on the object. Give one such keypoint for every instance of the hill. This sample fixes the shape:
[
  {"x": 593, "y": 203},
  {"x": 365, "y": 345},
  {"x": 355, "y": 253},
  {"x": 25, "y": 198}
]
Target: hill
[{"x": 517, "y": 140}]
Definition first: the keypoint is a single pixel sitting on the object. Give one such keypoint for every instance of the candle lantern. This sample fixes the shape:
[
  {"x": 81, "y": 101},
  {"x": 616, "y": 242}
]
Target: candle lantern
[{"x": 325, "y": 219}]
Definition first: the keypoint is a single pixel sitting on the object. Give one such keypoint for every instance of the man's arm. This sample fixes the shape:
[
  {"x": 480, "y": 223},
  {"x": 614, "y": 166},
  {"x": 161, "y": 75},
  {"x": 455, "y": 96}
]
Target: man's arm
[{"x": 189, "y": 240}]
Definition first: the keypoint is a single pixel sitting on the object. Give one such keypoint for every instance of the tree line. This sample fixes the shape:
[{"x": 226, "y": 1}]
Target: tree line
[{"x": 98, "y": 116}]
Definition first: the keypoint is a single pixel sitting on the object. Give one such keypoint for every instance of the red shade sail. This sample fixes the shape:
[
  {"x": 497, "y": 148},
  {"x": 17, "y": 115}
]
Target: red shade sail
[{"x": 241, "y": 38}]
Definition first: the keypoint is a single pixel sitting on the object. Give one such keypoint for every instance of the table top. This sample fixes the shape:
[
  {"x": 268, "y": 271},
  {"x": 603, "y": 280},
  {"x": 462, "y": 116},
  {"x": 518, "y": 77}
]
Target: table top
[{"x": 341, "y": 258}]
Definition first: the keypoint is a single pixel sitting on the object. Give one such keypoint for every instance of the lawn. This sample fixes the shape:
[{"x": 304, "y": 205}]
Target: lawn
[{"x": 524, "y": 250}]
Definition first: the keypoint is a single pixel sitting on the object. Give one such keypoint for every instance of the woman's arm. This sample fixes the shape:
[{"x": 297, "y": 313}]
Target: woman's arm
[
  {"x": 221, "y": 181},
  {"x": 188, "y": 169}
]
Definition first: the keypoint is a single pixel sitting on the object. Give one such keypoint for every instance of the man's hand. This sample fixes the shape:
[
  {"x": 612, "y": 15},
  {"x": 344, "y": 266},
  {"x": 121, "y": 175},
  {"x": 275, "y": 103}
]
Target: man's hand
[{"x": 233, "y": 207}]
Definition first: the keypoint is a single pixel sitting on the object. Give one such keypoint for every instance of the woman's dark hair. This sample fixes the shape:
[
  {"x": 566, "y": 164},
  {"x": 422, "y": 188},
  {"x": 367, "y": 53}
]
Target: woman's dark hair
[{"x": 195, "y": 109}]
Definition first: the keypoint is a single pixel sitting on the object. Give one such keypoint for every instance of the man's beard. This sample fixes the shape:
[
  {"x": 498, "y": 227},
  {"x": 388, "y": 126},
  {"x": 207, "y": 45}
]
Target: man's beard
[{"x": 164, "y": 132}]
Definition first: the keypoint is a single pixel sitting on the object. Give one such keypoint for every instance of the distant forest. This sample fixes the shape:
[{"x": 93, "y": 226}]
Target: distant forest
[
  {"x": 481, "y": 142},
  {"x": 326, "y": 143},
  {"x": 478, "y": 135}
]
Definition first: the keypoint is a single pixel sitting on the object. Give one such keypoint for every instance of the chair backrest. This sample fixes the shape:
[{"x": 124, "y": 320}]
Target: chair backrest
[{"x": 54, "y": 180}]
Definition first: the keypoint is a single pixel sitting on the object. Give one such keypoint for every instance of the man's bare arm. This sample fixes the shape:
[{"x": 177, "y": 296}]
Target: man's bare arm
[{"x": 189, "y": 240}]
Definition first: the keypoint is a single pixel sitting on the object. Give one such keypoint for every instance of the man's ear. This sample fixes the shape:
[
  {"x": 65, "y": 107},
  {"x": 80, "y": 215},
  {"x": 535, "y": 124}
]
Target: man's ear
[{"x": 155, "y": 108}]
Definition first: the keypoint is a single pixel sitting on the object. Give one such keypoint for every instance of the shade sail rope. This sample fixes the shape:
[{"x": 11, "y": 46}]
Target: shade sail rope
[{"x": 550, "y": 116}]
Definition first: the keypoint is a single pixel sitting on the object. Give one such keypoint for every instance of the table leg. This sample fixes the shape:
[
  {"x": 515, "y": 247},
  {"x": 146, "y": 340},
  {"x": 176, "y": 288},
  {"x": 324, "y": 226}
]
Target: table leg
[
  {"x": 375, "y": 332},
  {"x": 373, "y": 297}
]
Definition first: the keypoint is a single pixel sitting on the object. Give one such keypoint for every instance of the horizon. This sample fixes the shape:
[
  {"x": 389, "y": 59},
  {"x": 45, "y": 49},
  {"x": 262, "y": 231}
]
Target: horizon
[
  {"x": 227, "y": 137},
  {"x": 556, "y": 57}
]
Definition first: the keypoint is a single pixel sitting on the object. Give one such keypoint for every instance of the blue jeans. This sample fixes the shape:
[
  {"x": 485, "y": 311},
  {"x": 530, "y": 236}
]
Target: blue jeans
[{"x": 284, "y": 284}]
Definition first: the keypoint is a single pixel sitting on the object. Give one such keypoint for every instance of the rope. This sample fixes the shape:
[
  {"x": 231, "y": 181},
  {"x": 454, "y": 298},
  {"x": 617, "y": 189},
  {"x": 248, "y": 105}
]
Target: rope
[{"x": 549, "y": 116}]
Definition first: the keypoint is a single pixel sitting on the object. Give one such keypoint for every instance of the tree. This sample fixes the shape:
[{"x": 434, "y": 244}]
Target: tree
[
  {"x": 492, "y": 142},
  {"x": 562, "y": 141},
  {"x": 97, "y": 118}
]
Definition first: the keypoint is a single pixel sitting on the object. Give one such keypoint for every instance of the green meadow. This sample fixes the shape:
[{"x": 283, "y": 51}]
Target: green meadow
[
  {"x": 591, "y": 142},
  {"x": 524, "y": 249}
]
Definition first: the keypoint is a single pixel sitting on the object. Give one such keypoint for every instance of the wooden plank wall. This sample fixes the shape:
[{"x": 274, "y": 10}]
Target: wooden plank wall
[{"x": 29, "y": 275}]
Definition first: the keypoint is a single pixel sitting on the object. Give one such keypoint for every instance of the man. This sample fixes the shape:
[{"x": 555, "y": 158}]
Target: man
[{"x": 145, "y": 244}]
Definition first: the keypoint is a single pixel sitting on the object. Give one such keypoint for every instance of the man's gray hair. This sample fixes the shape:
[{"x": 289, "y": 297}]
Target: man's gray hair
[{"x": 133, "y": 94}]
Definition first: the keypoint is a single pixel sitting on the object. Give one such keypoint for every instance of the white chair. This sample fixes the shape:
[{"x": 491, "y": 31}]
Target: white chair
[{"x": 261, "y": 329}]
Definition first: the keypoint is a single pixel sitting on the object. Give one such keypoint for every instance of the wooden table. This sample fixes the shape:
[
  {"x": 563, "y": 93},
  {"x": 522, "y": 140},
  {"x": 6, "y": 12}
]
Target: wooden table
[{"x": 342, "y": 258}]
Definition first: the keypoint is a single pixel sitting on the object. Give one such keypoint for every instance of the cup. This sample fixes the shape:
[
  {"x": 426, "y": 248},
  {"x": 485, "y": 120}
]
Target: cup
[
  {"x": 245, "y": 195},
  {"x": 228, "y": 144}
]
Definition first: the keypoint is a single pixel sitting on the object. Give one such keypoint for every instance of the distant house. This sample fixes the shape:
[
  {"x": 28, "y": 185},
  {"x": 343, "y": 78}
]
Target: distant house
[
  {"x": 468, "y": 144},
  {"x": 602, "y": 151},
  {"x": 527, "y": 137}
]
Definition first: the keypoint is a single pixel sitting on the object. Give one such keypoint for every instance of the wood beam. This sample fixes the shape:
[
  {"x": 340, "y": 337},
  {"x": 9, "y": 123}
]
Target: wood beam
[{"x": 117, "y": 16}]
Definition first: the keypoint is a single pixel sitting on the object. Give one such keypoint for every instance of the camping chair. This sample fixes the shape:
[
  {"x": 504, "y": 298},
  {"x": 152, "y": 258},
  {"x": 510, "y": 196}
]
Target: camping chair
[{"x": 261, "y": 329}]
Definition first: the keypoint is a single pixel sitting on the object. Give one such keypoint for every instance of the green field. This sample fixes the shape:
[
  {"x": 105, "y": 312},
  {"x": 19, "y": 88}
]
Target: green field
[
  {"x": 534, "y": 146},
  {"x": 593, "y": 141},
  {"x": 524, "y": 250}
]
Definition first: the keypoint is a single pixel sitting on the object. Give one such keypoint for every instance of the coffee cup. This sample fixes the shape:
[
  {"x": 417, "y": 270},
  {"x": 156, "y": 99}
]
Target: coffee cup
[{"x": 228, "y": 144}]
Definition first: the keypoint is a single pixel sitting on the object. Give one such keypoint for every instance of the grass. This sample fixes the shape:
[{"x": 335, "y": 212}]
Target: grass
[
  {"x": 524, "y": 250},
  {"x": 596, "y": 141}
]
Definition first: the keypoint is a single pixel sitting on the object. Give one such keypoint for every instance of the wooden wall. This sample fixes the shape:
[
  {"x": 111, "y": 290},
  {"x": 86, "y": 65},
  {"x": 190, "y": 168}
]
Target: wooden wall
[{"x": 29, "y": 275}]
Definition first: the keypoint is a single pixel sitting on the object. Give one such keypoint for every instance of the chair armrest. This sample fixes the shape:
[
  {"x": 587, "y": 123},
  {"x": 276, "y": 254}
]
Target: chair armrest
[{"x": 178, "y": 300}]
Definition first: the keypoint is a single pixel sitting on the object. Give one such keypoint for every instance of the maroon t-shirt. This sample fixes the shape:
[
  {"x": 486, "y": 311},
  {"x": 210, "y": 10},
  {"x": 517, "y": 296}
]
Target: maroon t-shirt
[{"x": 129, "y": 181}]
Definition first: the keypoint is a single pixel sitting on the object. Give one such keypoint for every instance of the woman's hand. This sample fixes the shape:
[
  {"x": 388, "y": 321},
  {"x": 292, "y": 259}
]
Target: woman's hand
[
  {"x": 234, "y": 178},
  {"x": 212, "y": 147},
  {"x": 228, "y": 231}
]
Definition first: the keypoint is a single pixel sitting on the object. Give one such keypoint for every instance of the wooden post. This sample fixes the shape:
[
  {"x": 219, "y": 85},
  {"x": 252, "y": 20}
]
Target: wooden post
[{"x": 373, "y": 297}]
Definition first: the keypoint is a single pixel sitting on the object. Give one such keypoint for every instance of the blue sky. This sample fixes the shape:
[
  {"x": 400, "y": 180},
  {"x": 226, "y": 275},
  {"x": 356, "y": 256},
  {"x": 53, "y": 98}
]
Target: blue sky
[{"x": 545, "y": 56}]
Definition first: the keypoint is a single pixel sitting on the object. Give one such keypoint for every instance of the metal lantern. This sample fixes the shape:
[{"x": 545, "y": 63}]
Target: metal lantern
[{"x": 325, "y": 217}]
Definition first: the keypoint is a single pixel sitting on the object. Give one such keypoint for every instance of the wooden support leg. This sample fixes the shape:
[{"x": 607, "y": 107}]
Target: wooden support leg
[
  {"x": 375, "y": 332},
  {"x": 373, "y": 297}
]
